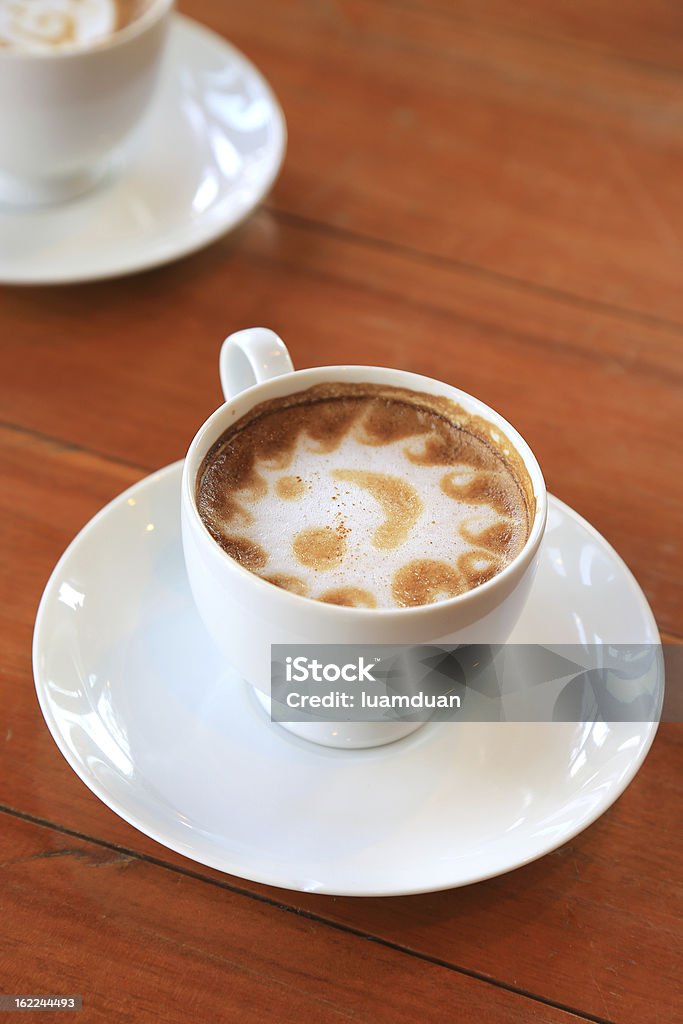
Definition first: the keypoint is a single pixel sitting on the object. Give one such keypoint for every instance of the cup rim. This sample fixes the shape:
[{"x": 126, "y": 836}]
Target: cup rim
[
  {"x": 156, "y": 10},
  {"x": 408, "y": 379}
]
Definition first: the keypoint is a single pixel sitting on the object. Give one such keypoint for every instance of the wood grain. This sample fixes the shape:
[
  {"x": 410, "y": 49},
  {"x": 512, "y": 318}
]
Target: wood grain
[
  {"x": 635, "y": 31},
  {"x": 511, "y": 153},
  {"x": 158, "y": 945}
]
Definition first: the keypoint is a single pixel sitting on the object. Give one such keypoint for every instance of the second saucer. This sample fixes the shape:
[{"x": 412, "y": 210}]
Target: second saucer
[{"x": 212, "y": 145}]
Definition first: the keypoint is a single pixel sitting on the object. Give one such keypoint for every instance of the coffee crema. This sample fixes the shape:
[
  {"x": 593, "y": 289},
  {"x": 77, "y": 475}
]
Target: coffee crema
[
  {"x": 43, "y": 25},
  {"x": 366, "y": 495}
]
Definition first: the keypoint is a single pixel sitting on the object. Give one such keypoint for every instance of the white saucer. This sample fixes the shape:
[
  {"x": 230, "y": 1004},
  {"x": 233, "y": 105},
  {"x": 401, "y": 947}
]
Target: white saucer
[
  {"x": 208, "y": 152},
  {"x": 169, "y": 739}
]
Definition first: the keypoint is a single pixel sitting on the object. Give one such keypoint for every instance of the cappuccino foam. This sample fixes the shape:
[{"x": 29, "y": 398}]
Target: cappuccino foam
[
  {"x": 42, "y": 25},
  {"x": 366, "y": 496}
]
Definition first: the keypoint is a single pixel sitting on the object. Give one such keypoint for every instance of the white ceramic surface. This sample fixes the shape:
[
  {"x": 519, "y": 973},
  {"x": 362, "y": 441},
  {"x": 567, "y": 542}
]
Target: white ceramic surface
[
  {"x": 150, "y": 718},
  {"x": 212, "y": 145},
  {"x": 245, "y": 615},
  {"x": 65, "y": 113}
]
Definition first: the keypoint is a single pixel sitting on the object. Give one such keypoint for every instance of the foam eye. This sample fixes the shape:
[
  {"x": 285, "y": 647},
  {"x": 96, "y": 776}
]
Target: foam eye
[
  {"x": 287, "y": 582},
  {"x": 483, "y": 488},
  {"x": 290, "y": 488},
  {"x": 496, "y": 537},
  {"x": 461, "y": 477},
  {"x": 425, "y": 580},
  {"x": 478, "y": 566},
  {"x": 320, "y": 547}
]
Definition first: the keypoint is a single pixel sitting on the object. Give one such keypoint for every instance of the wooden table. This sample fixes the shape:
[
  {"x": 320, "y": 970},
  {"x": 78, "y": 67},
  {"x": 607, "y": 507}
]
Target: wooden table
[{"x": 487, "y": 192}]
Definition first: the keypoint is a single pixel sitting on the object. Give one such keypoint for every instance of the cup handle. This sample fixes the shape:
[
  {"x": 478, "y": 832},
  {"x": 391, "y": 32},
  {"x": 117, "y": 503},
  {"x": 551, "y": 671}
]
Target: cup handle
[{"x": 250, "y": 357}]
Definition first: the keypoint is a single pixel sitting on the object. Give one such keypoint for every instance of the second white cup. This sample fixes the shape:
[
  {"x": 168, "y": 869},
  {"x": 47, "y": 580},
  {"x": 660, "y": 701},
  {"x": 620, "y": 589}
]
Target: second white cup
[{"x": 67, "y": 113}]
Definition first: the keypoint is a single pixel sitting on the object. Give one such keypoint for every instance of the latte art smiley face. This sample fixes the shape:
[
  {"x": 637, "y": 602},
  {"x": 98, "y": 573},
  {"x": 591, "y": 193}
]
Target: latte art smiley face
[
  {"x": 43, "y": 25},
  {"x": 365, "y": 496}
]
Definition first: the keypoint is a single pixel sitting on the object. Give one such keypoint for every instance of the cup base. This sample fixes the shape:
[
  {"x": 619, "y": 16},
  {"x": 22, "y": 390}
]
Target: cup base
[
  {"x": 343, "y": 735},
  {"x": 29, "y": 192}
]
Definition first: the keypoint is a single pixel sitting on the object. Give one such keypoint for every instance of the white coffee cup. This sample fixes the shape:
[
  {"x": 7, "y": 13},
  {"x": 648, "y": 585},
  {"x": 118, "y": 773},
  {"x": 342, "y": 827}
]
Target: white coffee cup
[
  {"x": 67, "y": 113},
  {"x": 245, "y": 614}
]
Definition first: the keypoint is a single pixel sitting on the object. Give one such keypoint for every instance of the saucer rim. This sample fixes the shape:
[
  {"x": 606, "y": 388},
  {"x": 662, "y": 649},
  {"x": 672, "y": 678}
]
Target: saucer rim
[
  {"x": 217, "y": 225},
  {"x": 648, "y": 731}
]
